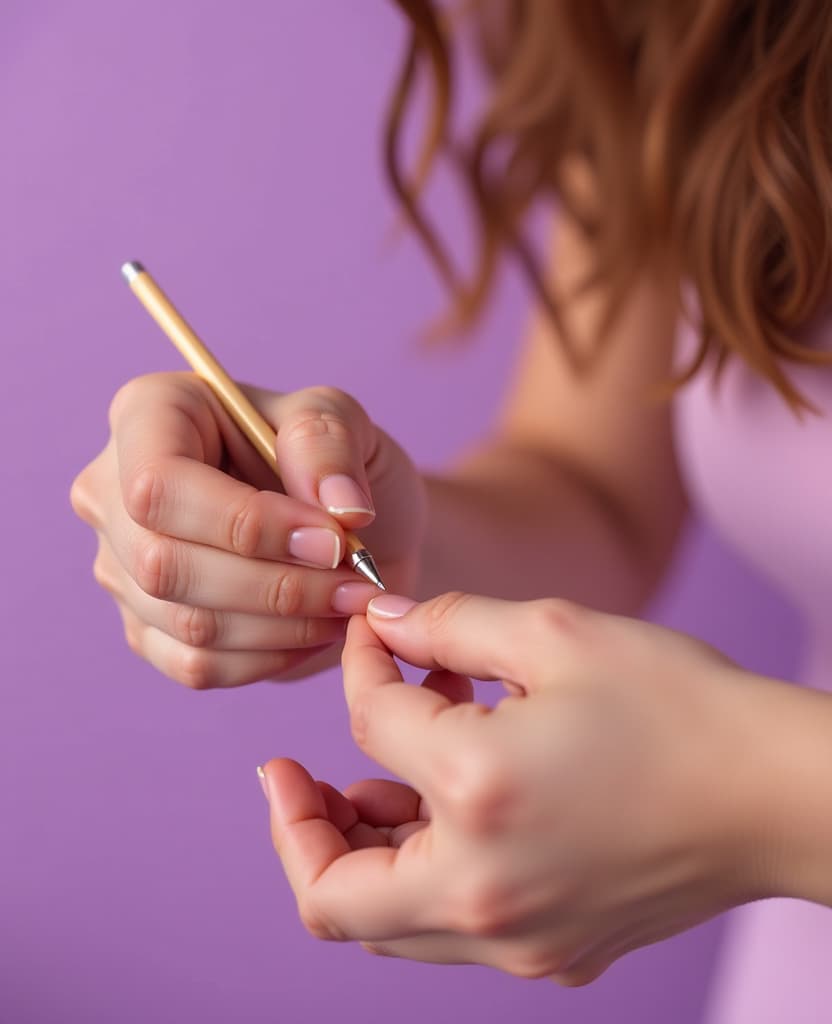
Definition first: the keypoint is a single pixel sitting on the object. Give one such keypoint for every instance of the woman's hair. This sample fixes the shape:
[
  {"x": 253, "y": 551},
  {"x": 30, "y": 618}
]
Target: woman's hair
[{"x": 706, "y": 126}]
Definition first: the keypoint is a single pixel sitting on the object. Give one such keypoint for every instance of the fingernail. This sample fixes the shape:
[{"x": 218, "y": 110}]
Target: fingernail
[
  {"x": 261, "y": 775},
  {"x": 390, "y": 606},
  {"x": 315, "y": 545},
  {"x": 340, "y": 494},
  {"x": 352, "y": 598}
]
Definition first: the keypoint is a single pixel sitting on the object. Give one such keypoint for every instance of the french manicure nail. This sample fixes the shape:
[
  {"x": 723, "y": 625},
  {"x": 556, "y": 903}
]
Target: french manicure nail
[
  {"x": 390, "y": 606},
  {"x": 340, "y": 494},
  {"x": 315, "y": 545},
  {"x": 352, "y": 598},
  {"x": 261, "y": 775}
]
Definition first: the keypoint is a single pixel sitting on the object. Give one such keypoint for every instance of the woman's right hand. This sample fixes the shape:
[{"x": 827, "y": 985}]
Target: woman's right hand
[{"x": 220, "y": 577}]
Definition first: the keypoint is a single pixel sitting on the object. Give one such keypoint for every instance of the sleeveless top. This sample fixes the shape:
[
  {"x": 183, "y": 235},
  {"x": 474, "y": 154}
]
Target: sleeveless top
[{"x": 761, "y": 476}]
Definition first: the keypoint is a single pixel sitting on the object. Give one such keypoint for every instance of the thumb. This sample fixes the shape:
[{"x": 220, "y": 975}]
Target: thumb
[{"x": 477, "y": 636}]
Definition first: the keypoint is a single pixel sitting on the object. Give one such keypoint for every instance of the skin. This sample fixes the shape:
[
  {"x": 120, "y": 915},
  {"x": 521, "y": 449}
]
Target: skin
[
  {"x": 632, "y": 783},
  {"x": 576, "y": 493},
  {"x": 193, "y": 535}
]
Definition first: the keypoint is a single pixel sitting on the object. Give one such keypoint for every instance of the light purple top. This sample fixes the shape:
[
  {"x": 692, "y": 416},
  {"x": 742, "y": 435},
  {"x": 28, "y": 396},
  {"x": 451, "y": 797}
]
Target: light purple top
[{"x": 763, "y": 478}]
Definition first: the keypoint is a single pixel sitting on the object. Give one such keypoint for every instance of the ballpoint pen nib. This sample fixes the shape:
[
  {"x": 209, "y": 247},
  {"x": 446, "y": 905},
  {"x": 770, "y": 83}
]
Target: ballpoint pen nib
[{"x": 363, "y": 562}]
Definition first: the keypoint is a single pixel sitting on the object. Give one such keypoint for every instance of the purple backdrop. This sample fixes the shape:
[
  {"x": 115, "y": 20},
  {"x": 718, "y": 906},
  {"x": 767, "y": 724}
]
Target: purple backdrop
[{"x": 234, "y": 149}]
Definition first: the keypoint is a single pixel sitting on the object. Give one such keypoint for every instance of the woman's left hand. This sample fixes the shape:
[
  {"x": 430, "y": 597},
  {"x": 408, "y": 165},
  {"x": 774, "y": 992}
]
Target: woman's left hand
[{"x": 612, "y": 799}]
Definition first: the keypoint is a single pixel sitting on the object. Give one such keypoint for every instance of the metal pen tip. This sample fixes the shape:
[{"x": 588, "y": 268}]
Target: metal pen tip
[
  {"x": 368, "y": 569},
  {"x": 131, "y": 270}
]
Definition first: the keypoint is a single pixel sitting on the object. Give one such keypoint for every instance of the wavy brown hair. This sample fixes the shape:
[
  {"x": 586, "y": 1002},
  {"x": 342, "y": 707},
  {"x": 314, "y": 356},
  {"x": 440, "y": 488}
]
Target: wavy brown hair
[{"x": 706, "y": 126}]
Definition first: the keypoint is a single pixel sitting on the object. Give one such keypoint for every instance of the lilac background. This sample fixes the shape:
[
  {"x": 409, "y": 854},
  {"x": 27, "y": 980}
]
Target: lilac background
[{"x": 234, "y": 149}]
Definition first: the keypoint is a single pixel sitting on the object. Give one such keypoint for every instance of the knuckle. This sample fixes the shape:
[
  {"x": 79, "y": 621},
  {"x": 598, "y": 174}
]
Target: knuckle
[
  {"x": 483, "y": 907},
  {"x": 246, "y": 527},
  {"x": 196, "y": 669},
  {"x": 360, "y": 712},
  {"x": 150, "y": 387},
  {"x": 578, "y": 976},
  {"x": 120, "y": 399},
  {"x": 374, "y": 949},
  {"x": 144, "y": 494},
  {"x": 308, "y": 632},
  {"x": 76, "y": 495},
  {"x": 284, "y": 594},
  {"x": 196, "y": 627},
  {"x": 86, "y": 492},
  {"x": 477, "y": 789},
  {"x": 316, "y": 923},
  {"x": 127, "y": 395},
  {"x": 554, "y": 615},
  {"x": 102, "y": 574},
  {"x": 156, "y": 570},
  {"x": 133, "y": 637},
  {"x": 79, "y": 497},
  {"x": 314, "y": 426},
  {"x": 99, "y": 573},
  {"x": 536, "y": 962},
  {"x": 326, "y": 396},
  {"x": 441, "y": 612}
]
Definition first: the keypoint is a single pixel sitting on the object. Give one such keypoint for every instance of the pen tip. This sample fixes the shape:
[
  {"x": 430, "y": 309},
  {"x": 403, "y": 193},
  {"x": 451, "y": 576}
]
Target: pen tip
[
  {"x": 366, "y": 567},
  {"x": 131, "y": 270}
]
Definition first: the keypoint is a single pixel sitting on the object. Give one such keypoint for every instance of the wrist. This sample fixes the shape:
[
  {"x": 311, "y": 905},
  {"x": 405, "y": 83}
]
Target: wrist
[{"x": 790, "y": 849}]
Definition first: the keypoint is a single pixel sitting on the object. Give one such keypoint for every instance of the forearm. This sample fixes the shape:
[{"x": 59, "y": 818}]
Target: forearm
[{"x": 514, "y": 523}]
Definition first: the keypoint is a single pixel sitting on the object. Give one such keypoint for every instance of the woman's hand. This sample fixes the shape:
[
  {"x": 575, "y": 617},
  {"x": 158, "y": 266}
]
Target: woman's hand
[
  {"x": 220, "y": 578},
  {"x": 617, "y": 796}
]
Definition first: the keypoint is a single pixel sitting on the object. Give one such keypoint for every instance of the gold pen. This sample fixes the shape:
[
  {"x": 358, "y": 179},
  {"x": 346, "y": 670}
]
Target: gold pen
[{"x": 247, "y": 418}]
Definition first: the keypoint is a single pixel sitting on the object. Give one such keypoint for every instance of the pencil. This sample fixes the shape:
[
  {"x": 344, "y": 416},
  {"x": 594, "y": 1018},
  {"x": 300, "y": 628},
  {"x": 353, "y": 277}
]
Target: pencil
[{"x": 247, "y": 418}]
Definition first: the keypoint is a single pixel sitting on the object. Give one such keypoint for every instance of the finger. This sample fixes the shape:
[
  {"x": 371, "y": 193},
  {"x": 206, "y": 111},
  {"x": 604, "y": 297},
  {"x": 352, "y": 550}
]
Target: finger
[
  {"x": 168, "y": 432},
  {"x": 324, "y": 441},
  {"x": 86, "y": 493},
  {"x": 343, "y": 894},
  {"x": 201, "y": 669},
  {"x": 165, "y": 414},
  {"x": 449, "y": 948},
  {"x": 399, "y": 835},
  {"x": 458, "y": 689},
  {"x": 108, "y": 572},
  {"x": 363, "y": 836},
  {"x": 339, "y": 809},
  {"x": 343, "y": 815},
  {"x": 304, "y": 837},
  {"x": 393, "y": 722},
  {"x": 386, "y": 803},
  {"x": 194, "y": 574},
  {"x": 212, "y": 628},
  {"x": 187, "y": 499},
  {"x": 583, "y": 973},
  {"x": 133, "y": 629},
  {"x": 438, "y": 948},
  {"x": 481, "y": 637}
]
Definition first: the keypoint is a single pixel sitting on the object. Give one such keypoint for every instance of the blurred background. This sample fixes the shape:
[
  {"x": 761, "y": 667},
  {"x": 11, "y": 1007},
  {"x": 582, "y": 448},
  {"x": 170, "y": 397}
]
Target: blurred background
[{"x": 235, "y": 149}]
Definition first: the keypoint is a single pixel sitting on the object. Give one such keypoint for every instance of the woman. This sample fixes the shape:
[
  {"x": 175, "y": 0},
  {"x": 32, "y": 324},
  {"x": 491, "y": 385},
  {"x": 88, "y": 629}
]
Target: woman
[{"x": 634, "y": 782}]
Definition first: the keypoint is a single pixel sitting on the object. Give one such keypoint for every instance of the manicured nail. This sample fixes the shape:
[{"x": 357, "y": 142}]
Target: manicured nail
[
  {"x": 315, "y": 545},
  {"x": 390, "y": 606},
  {"x": 340, "y": 494},
  {"x": 261, "y": 775},
  {"x": 352, "y": 598}
]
